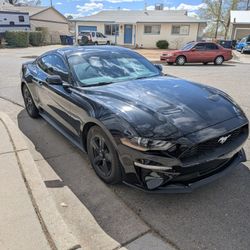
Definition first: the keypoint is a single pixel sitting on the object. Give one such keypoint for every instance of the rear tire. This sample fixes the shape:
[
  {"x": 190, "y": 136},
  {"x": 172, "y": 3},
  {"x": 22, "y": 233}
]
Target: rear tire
[
  {"x": 218, "y": 60},
  {"x": 103, "y": 156},
  {"x": 108, "y": 43},
  {"x": 29, "y": 103},
  {"x": 180, "y": 60}
]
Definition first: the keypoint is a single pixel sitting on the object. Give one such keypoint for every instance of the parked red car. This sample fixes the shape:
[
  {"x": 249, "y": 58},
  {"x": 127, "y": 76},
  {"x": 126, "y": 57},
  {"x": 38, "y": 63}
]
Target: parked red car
[{"x": 195, "y": 52}]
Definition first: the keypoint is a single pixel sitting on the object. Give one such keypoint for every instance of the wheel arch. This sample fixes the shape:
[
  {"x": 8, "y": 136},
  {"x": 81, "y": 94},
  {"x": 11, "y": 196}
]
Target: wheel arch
[
  {"x": 88, "y": 125},
  {"x": 181, "y": 56}
]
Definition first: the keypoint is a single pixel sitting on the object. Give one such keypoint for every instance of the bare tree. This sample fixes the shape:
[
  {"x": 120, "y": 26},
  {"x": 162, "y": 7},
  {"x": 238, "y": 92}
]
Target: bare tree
[{"x": 218, "y": 11}]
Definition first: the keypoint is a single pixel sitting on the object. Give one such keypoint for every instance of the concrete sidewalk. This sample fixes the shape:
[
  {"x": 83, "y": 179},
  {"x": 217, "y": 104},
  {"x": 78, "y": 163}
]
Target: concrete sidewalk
[{"x": 24, "y": 221}]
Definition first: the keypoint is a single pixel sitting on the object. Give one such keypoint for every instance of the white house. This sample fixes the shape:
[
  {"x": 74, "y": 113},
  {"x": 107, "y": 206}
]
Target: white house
[
  {"x": 13, "y": 20},
  {"x": 36, "y": 17},
  {"x": 240, "y": 24},
  {"x": 143, "y": 28}
]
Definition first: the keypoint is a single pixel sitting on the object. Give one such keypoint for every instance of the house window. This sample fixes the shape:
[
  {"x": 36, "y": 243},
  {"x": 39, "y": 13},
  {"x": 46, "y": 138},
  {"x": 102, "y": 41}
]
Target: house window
[
  {"x": 12, "y": 23},
  {"x": 180, "y": 29},
  {"x": 152, "y": 29},
  {"x": 111, "y": 29},
  {"x": 21, "y": 19}
]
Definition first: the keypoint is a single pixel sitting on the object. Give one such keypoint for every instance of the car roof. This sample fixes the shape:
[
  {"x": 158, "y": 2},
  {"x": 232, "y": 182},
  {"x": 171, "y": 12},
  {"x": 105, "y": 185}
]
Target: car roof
[{"x": 67, "y": 51}]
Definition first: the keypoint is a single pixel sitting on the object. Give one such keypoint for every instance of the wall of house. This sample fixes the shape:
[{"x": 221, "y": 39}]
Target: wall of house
[
  {"x": 139, "y": 38},
  {"x": 238, "y": 31},
  {"x": 175, "y": 41},
  {"x": 7, "y": 17},
  {"x": 119, "y": 39},
  {"x": 55, "y": 23}
]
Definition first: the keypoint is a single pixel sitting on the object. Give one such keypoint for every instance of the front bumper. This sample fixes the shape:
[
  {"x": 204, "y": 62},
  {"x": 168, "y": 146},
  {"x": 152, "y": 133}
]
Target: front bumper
[
  {"x": 170, "y": 59},
  {"x": 198, "y": 182},
  {"x": 203, "y": 162}
]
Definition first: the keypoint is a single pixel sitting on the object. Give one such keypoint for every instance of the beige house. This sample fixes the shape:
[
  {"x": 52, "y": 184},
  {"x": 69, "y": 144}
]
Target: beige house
[
  {"x": 43, "y": 17},
  {"x": 143, "y": 28},
  {"x": 240, "y": 24}
]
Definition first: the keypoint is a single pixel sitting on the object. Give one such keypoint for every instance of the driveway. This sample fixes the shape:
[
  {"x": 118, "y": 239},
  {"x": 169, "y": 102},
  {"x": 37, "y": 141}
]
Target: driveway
[{"x": 214, "y": 217}]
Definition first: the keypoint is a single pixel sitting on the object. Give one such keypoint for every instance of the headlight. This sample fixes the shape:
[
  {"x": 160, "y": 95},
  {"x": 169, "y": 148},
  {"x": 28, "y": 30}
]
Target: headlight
[{"x": 145, "y": 144}]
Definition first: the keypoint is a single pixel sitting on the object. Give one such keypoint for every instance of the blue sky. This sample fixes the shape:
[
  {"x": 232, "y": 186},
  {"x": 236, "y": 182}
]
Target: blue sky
[{"x": 87, "y": 7}]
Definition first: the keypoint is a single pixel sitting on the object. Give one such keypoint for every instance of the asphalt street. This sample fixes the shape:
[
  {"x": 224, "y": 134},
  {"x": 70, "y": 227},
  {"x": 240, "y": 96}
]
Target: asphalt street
[{"x": 214, "y": 217}]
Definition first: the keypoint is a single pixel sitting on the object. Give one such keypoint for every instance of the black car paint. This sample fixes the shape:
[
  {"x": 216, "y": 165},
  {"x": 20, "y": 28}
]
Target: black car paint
[{"x": 165, "y": 108}]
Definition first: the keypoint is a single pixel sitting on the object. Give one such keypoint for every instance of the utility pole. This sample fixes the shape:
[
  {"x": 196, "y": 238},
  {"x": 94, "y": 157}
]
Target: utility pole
[
  {"x": 218, "y": 19},
  {"x": 51, "y": 4},
  {"x": 248, "y": 2}
]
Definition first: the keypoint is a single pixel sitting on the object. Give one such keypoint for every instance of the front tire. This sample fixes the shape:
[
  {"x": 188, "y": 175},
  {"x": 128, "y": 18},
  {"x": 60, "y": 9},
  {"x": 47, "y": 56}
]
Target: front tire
[
  {"x": 29, "y": 103},
  {"x": 180, "y": 60},
  {"x": 218, "y": 60},
  {"x": 103, "y": 156}
]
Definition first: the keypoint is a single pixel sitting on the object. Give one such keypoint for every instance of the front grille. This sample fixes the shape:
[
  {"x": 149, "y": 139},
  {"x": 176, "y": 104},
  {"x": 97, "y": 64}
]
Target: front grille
[{"x": 213, "y": 144}]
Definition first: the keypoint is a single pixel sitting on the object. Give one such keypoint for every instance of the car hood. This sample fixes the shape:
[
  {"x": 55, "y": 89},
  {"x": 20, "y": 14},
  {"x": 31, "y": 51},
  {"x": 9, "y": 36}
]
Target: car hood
[
  {"x": 162, "y": 106},
  {"x": 171, "y": 52}
]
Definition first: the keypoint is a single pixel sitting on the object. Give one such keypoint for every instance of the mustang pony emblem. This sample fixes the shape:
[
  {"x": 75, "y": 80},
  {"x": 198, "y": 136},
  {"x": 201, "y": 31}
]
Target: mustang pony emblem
[{"x": 223, "y": 139}]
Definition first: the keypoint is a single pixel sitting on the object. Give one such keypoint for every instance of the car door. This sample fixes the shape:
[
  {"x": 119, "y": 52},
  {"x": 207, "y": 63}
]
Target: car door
[
  {"x": 56, "y": 100},
  {"x": 241, "y": 44},
  {"x": 198, "y": 53},
  {"x": 212, "y": 51},
  {"x": 100, "y": 38}
]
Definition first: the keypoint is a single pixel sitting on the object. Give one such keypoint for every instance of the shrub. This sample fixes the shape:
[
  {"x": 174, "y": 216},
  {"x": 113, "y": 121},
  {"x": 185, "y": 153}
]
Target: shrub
[
  {"x": 45, "y": 34},
  {"x": 17, "y": 38},
  {"x": 162, "y": 44},
  {"x": 36, "y": 38}
]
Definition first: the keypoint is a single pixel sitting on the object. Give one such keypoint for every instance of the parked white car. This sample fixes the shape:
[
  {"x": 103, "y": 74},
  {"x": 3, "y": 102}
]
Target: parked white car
[{"x": 92, "y": 37}]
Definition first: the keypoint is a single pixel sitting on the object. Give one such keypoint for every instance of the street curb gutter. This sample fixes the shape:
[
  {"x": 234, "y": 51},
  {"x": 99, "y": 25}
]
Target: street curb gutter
[{"x": 53, "y": 225}]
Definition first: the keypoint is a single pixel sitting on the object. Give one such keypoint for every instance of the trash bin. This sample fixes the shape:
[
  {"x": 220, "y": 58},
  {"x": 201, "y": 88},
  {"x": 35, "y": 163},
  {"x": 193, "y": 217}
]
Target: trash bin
[
  {"x": 63, "y": 39},
  {"x": 70, "y": 40},
  {"x": 67, "y": 40}
]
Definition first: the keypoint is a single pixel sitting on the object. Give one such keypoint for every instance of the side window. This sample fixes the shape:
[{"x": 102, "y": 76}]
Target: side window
[
  {"x": 59, "y": 67},
  {"x": 21, "y": 19},
  {"x": 44, "y": 63},
  {"x": 200, "y": 46},
  {"x": 54, "y": 65},
  {"x": 98, "y": 35},
  {"x": 211, "y": 46},
  {"x": 93, "y": 34}
]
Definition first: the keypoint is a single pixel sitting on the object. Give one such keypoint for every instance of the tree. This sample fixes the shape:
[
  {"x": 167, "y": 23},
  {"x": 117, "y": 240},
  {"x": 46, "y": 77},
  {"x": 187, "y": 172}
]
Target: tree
[
  {"x": 25, "y": 2},
  {"x": 218, "y": 11}
]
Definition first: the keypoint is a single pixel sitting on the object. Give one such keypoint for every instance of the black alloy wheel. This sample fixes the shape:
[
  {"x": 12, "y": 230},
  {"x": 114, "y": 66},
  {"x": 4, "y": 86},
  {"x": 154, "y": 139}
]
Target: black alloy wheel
[
  {"x": 103, "y": 156},
  {"x": 29, "y": 103}
]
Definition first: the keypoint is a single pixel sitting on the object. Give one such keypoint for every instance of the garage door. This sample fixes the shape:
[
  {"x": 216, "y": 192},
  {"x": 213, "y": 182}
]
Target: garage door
[{"x": 87, "y": 28}]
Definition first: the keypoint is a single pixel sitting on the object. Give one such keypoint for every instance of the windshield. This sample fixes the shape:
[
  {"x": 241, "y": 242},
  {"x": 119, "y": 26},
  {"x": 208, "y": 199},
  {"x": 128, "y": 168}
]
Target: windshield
[
  {"x": 187, "y": 46},
  {"x": 104, "y": 67}
]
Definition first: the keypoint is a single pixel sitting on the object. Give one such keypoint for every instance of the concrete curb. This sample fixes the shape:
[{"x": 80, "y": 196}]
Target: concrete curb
[{"x": 54, "y": 227}]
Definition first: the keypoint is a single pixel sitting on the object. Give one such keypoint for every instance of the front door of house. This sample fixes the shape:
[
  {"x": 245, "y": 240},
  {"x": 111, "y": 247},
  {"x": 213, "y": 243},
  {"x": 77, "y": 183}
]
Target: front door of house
[{"x": 128, "y": 33}]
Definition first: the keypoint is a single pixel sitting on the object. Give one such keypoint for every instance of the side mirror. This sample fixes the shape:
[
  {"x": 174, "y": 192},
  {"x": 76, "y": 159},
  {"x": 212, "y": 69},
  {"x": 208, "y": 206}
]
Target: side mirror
[
  {"x": 193, "y": 49},
  {"x": 159, "y": 67},
  {"x": 54, "y": 80}
]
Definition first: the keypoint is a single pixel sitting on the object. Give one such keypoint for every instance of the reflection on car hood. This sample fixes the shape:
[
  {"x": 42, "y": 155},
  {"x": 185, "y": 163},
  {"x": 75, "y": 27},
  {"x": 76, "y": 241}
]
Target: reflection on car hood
[{"x": 164, "y": 106}]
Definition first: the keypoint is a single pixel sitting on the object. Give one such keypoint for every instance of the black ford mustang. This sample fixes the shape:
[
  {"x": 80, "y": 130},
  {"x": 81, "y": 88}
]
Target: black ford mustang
[{"x": 157, "y": 133}]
